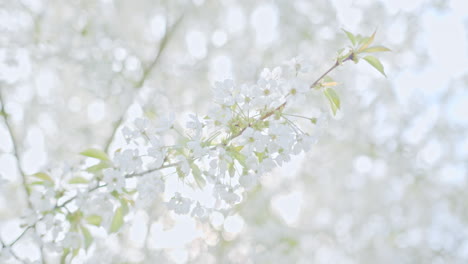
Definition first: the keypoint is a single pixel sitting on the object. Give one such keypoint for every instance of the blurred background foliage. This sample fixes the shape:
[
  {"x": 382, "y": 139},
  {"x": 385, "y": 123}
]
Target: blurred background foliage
[{"x": 385, "y": 184}]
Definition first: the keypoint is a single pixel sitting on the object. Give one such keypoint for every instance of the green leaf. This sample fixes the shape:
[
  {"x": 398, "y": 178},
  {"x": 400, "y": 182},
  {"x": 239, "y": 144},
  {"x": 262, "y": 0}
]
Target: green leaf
[
  {"x": 95, "y": 153},
  {"x": 351, "y": 37},
  {"x": 124, "y": 203},
  {"x": 64, "y": 255},
  {"x": 43, "y": 176},
  {"x": 94, "y": 220},
  {"x": 197, "y": 175},
  {"x": 367, "y": 42},
  {"x": 333, "y": 98},
  {"x": 78, "y": 180},
  {"x": 98, "y": 167},
  {"x": 260, "y": 155},
  {"x": 239, "y": 157},
  {"x": 360, "y": 39},
  {"x": 88, "y": 238},
  {"x": 232, "y": 170},
  {"x": 117, "y": 220},
  {"x": 376, "y": 49},
  {"x": 375, "y": 63},
  {"x": 39, "y": 183}
]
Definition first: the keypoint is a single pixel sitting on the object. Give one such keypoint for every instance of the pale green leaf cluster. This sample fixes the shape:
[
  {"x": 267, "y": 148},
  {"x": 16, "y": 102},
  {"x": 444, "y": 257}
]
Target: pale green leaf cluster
[{"x": 362, "y": 45}]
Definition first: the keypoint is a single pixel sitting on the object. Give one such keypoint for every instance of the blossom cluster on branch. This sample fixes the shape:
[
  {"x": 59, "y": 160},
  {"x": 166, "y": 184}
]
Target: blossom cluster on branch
[{"x": 251, "y": 129}]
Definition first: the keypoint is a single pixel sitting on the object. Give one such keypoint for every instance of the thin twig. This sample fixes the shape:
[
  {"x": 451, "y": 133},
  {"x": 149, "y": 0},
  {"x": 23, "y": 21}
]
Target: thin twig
[
  {"x": 146, "y": 73},
  {"x": 15, "y": 151}
]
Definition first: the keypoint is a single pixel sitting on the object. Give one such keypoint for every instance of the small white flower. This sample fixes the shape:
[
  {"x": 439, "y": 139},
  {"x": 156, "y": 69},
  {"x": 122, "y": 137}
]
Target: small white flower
[
  {"x": 100, "y": 204},
  {"x": 220, "y": 161},
  {"x": 142, "y": 124},
  {"x": 179, "y": 204},
  {"x": 115, "y": 180},
  {"x": 43, "y": 200},
  {"x": 253, "y": 140},
  {"x": 184, "y": 165},
  {"x": 129, "y": 134},
  {"x": 165, "y": 123},
  {"x": 281, "y": 136},
  {"x": 226, "y": 193},
  {"x": 303, "y": 143},
  {"x": 220, "y": 115},
  {"x": 274, "y": 74},
  {"x": 196, "y": 148},
  {"x": 266, "y": 165},
  {"x": 296, "y": 90},
  {"x": 283, "y": 156},
  {"x": 299, "y": 64},
  {"x": 223, "y": 92},
  {"x": 150, "y": 184},
  {"x": 53, "y": 225},
  {"x": 128, "y": 160},
  {"x": 158, "y": 154},
  {"x": 196, "y": 126},
  {"x": 198, "y": 211}
]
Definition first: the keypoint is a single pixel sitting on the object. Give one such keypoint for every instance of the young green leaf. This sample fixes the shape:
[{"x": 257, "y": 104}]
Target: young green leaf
[
  {"x": 117, "y": 220},
  {"x": 197, "y": 175},
  {"x": 43, "y": 176},
  {"x": 124, "y": 202},
  {"x": 95, "y": 153},
  {"x": 375, "y": 63},
  {"x": 376, "y": 49},
  {"x": 260, "y": 155},
  {"x": 78, "y": 180},
  {"x": 65, "y": 253},
  {"x": 351, "y": 37},
  {"x": 98, "y": 167},
  {"x": 367, "y": 42},
  {"x": 239, "y": 157},
  {"x": 333, "y": 98},
  {"x": 232, "y": 169},
  {"x": 88, "y": 238},
  {"x": 94, "y": 220}
]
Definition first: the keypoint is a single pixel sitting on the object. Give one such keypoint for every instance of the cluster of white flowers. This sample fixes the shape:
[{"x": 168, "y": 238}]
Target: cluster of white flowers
[
  {"x": 251, "y": 129},
  {"x": 246, "y": 134}
]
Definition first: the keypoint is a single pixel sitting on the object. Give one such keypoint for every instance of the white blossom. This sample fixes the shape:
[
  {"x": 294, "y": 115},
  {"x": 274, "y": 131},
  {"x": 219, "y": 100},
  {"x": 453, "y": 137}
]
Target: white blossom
[
  {"x": 226, "y": 193},
  {"x": 149, "y": 186},
  {"x": 115, "y": 180},
  {"x": 199, "y": 211},
  {"x": 43, "y": 200},
  {"x": 179, "y": 204},
  {"x": 128, "y": 160}
]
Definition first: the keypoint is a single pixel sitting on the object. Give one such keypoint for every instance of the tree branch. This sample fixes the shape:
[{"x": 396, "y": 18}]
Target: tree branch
[
  {"x": 15, "y": 152},
  {"x": 146, "y": 73}
]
